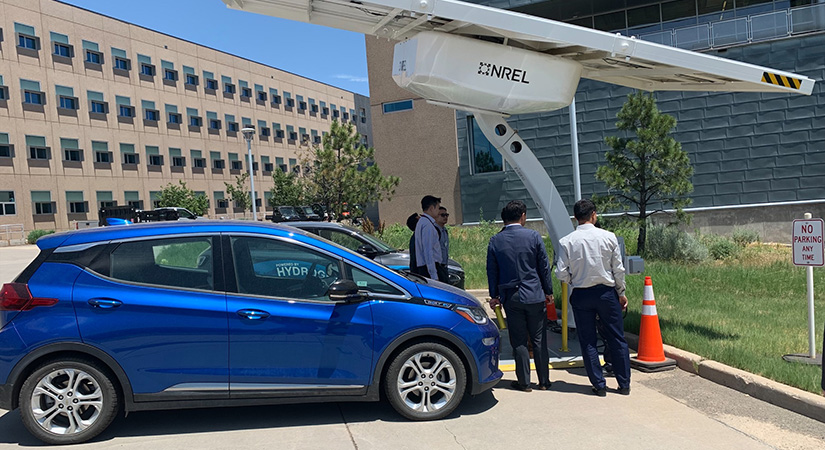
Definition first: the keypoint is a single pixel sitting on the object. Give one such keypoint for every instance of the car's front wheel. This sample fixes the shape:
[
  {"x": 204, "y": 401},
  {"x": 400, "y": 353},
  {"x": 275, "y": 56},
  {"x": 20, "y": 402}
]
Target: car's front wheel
[
  {"x": 426, "y": 381},
  {"x": 68, "y": 401}
]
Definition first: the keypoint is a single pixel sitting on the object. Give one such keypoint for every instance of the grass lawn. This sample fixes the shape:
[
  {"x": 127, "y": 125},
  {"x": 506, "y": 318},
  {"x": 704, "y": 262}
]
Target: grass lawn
[{"x": 745, "y": 312}]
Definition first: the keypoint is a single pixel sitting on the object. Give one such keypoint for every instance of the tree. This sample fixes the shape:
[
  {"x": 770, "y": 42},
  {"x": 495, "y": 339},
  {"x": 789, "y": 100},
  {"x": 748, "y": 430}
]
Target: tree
[
  {"x": 287, "y": 191},
  {"x": 650, "y": 169},
  {"x": 343, "y": 171},
  {"x": 181, "y": 196},
  {"x": 239, "y": 193}
]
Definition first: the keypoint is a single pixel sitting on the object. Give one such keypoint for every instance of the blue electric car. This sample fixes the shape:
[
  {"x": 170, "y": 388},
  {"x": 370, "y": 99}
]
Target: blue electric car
[{"x": 192, "y": 314}]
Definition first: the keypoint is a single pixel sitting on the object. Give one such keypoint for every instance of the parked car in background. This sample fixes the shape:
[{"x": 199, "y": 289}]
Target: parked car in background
[
  {"x": 283, "y": 214},
  {"x": 224, "y": 313},
  {"x": 372, "y": 247},
  {"x": 307, "y": 213},
  {"x": 182, "y": 213},
  {"x": 108, "y": 213}
]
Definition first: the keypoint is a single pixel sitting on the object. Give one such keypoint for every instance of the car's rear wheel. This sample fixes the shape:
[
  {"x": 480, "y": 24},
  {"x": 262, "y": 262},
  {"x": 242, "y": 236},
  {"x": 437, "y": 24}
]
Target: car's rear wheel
[
  {"x": 68, "y": 401},
  {"x": 426, "y": 381}
]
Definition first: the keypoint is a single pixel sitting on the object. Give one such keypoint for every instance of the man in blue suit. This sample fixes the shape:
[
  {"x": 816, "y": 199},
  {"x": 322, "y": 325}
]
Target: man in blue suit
[{"x": 518, "y": 274}]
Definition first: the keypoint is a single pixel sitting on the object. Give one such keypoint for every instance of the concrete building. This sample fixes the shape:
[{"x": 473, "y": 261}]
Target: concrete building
[
  {"x": 759, "y": 159},
  {"x": 95, "y": 111}
]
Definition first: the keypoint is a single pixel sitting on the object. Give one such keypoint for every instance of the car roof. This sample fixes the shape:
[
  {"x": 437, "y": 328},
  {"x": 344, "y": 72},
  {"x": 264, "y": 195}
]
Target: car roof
[
  {"x": 116, "y": 232},
  {"x": 335, "y": 225}
]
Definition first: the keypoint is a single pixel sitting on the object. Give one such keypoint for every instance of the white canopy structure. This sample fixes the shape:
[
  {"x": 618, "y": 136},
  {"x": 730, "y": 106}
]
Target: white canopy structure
[{"x": 496, "y": 62}]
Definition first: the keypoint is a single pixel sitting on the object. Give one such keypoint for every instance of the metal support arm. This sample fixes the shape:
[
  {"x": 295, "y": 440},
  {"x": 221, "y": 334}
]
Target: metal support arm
[{"x": 538, "y": 183}]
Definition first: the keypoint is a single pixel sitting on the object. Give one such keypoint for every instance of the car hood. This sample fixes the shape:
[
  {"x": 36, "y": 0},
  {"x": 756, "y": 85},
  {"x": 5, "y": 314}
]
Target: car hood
[
  {"x": 436, "y": 290},
  {"x": 401, "y": 260}
]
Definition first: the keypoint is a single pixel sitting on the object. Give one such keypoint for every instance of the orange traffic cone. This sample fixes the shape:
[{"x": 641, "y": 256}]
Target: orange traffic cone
[{"x": 651, "y": 357}]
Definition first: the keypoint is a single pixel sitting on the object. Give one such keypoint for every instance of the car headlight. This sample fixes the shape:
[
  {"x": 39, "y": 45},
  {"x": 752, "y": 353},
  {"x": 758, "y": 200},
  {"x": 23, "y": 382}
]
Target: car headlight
[{"x": 474, "y": 314}]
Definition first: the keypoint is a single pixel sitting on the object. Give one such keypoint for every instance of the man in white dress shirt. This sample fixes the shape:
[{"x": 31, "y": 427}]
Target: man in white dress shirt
[{"x": 590, "y": 261}]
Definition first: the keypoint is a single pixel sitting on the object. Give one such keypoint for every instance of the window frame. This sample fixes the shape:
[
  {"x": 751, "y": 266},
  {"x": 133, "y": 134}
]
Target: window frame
[
  {"x": 13, "y": 204},
  {"x": 88, "y": 53}
]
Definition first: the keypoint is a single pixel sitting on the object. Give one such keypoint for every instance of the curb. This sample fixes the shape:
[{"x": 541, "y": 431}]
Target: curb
[{"x": 793, "y": 399}]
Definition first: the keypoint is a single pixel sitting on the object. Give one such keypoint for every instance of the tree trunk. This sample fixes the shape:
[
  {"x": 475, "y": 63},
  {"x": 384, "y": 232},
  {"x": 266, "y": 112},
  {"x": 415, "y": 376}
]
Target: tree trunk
[{"x": 640, "y": 243}]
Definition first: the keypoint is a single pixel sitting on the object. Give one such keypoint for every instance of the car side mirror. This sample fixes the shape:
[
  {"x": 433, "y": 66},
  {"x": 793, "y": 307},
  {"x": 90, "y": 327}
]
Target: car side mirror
[
  {"x": 344, "y": 291},
  {"x": 367, "y": 250}
]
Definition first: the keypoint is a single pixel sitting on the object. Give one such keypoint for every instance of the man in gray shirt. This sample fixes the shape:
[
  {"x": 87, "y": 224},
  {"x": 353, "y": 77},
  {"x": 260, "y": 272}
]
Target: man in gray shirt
[
  {"x": 590, "y": 261},
  {"x": 441, "y": 220},
  {"x": 428, "y": 242}
]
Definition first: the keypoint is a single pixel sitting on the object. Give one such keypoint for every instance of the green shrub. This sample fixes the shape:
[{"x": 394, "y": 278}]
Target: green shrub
[
  {"x": 396, "y": 235},
  {"x": 672, "y": 244},
  {"x": 744, "y": 236},
  {"x": 721, "y": 247},
  {"x": 34, "y": 235}
]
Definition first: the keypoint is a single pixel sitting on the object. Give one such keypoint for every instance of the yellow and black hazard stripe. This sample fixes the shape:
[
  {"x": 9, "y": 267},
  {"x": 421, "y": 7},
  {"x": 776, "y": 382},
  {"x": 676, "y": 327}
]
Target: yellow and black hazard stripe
[{"x": 781, "y": 80}]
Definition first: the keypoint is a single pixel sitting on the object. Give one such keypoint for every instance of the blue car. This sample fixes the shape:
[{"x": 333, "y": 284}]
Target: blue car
[{"x": 218, "y": 313}]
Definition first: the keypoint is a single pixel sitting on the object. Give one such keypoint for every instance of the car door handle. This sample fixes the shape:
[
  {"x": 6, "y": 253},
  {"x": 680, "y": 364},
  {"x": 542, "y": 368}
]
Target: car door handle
[
  {"x": 105, "y": 303},
  {"x": 253, "y": 314}
]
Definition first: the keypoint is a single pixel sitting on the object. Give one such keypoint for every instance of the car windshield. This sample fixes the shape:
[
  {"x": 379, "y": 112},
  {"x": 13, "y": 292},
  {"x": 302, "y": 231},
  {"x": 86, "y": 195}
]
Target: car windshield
[
  {"x": 308, "y": 210},
  {"x": 287, "y": 210},
  {"x": 377, "y": 243}
]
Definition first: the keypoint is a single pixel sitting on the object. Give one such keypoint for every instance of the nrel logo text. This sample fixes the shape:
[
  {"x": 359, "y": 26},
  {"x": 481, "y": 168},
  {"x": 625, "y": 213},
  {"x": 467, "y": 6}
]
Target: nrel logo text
[{"x": 502, "y": 72}]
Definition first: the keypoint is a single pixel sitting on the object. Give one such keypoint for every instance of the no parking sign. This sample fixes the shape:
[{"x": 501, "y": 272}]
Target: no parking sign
[{"x": 808, "y": 243}]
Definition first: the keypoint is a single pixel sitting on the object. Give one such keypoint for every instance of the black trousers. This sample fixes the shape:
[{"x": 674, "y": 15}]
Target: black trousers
[
  {"x": 528, "y": 321},
  {"x": 441, "y": 270},
  {"x": 603, "y": 301}
]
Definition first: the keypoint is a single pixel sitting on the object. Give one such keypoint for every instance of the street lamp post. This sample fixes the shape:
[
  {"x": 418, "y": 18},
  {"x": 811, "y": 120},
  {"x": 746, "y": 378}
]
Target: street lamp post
[{"x": 248, "y": 132}]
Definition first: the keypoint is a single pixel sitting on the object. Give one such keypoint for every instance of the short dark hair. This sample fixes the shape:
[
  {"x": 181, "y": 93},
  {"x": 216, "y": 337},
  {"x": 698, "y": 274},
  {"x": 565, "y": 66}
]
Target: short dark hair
[
  {"x": 583, "y": 209},
  {"x": 412, "y": 221},
  {"x": 429, "y": 201},
  {"x": 442, "y": 207},
  {"x": 513, "y": 211}
]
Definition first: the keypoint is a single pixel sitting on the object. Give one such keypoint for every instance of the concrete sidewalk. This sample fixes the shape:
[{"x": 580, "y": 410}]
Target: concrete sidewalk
[{"x": 672, "y": 410}]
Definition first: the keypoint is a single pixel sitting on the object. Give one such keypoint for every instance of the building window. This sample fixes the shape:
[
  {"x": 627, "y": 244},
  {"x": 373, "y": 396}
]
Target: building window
[
  {"x": 39, "y": 153},
  {"x": 125, "y": 111},
  {"x": 151, "y": 114},
  {"x": 32, "y": 98},
  {"x": 4, "y": 92},
  {"x": 228, "y": 88},
  {"x": 175, "y": 117},
  {"x": 199, "y": 162},
  {"x": 403, "y": 105},
  {"x": 237, "y": 165},
  {"x": 191, "y": 80},
  {"x": 26, "y": 41},
  {"x": 178, "y": 161},
  {"x": 62, "y": 50},
  {"x": 72, "y": 154},
  {"x": 94, "y": 57},
  {"x": 214, "y": 124},
  {"x": 212, "y": 84},
  {"x": 155, "y": 160},
  {"x": 102, "y": 153},
  {"x": 77, "y": 205},
  {"x": 246, "y": 92},
  {"x": 195, "y": 121},
  {"x": 232, "y": 126},
  {"x": 6, "y": 149},
  {"x": 122, "y": 64},
  {"x": 7, "y": 203},
  {"x": 218, "y": 164},
  {"x": 484, "y": 158},
  {"x": 42, "y": 202},
  {"x": 130, "y": 158},
  {"x": 147, "y": 69},
  {"x": 262, "y": 96},
  {"x": 68, "y": 102},
  {"x": 98, "y": 107},
  {"x": 171, "y": 75}
]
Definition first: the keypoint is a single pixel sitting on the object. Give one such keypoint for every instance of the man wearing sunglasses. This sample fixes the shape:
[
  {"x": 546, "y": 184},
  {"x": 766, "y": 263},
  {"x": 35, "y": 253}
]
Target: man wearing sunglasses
[{"x": 444, "y": 238}]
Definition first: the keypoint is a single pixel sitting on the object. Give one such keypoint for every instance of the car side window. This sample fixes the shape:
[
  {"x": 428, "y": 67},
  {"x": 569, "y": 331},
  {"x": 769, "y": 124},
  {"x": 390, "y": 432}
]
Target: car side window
[
  {"x": 370, "y": 283},
  {"x": 175, "y": 262},
  {"x": 273, "y": 268},
  {"x": 342, "y": 239}
]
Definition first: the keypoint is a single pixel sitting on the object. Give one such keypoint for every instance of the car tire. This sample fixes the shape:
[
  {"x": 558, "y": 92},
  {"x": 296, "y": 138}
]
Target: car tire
[
  {"x": 426, "y": 381},
  {"x": 68, "y": 401}
]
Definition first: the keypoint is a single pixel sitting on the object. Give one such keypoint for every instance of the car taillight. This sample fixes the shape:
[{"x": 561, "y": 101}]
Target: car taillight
[{"x": 17, "y": 297}]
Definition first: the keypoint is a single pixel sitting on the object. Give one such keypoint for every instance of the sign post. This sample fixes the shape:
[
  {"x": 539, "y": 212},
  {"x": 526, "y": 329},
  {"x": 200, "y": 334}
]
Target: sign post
[{"x": 808, "y": 251}]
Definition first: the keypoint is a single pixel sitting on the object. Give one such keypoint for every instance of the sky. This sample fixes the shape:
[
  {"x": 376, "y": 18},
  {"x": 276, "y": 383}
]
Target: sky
[{"x": 331, "y": 56}]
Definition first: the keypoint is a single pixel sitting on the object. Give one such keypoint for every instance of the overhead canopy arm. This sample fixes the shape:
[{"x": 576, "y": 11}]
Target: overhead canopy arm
[{"x": 611, "y": 58}]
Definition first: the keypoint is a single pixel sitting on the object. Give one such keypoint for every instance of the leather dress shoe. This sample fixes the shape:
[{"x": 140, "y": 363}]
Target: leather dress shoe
[
  {"x": 545, "y": 386},
  {"x": 624, "y": 390},
  {"x": 600, "y": 392},
  {"x": 515, "y": 385}
]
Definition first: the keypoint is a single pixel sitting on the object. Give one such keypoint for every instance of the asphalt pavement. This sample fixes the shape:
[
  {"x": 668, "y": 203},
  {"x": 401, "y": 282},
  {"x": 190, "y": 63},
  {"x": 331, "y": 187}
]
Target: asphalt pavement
[{"x": 669, "y": 410}]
